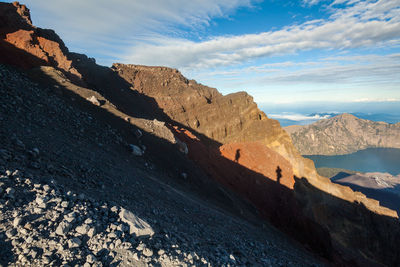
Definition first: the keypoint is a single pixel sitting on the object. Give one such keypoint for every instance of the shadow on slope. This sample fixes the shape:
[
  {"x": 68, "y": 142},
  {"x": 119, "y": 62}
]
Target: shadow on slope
[
  {"x": 274, "y": 201},
  {"x": 352, "y": 225},
  {"x": 386, "y": 198},
  {"x": 6, "y": 254}
]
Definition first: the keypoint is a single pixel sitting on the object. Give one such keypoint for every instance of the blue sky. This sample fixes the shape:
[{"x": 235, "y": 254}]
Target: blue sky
[{"x": 280, "y": 52}]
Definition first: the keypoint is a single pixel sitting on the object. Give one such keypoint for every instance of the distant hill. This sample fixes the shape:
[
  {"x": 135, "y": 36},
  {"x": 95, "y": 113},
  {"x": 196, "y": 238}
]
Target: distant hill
[
  {"x": 330, "y": 172},
  {"x": 380, "y": 186},
  {"x": 343, "y": 134}
]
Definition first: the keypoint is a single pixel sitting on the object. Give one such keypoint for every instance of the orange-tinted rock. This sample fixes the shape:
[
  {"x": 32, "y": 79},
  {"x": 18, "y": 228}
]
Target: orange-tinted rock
[
  {"x": 257, "y": 182},
  {"x": 260, "y": 159},
  {"x": 27, "y": 46}
]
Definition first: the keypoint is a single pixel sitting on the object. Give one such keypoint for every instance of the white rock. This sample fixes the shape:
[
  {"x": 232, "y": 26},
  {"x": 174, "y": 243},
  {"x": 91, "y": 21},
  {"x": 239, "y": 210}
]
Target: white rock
[
  {"x": 136, "y": 150},
  {"x": 65, "y": 204},
  {"x": 46, "y": 188},
  {"x": 93, "y": 100},
  {"x": 10, "y": 191},
  {"x": 147, "y": 252},
  {"x": 91, "y": 232},
  {"x": 17, "y": 221},
  {"x": 90, "y": 258},
  {"x": 137, "y": 226},
  {"x": 83, "y": 229},
  {"x": 63, "y": 228},
  {"x": 74, "y": 242}
]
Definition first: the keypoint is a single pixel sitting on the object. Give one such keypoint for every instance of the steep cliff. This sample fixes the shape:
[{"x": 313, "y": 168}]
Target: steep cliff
[
  {"x": 233, "y": 118},
  {"x": 343, "y": 134}
]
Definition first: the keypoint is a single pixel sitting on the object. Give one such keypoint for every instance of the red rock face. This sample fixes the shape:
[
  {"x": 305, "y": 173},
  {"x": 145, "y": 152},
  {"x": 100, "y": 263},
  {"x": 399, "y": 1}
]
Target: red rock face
[
  {"x": 254, "y": 171},
  {"x": 260, "y": 159},
  {"x": 23, "y": 45}
]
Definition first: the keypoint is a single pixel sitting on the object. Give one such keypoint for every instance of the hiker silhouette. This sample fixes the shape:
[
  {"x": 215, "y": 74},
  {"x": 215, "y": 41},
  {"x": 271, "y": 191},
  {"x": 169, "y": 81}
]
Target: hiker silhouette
[
  {"x": 237, "y": 155},
  {"x": 278, "y": 174}
]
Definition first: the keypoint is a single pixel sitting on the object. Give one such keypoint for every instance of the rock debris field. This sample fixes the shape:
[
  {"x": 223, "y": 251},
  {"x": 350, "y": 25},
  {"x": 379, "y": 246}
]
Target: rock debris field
[{"x": 71, "y": 194}]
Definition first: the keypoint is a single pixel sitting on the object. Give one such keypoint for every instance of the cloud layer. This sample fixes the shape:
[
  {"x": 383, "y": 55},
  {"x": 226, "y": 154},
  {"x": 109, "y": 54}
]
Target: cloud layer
[
  {"x": 110, "y": 27},
  {"x": 359, "y": 24},
  {"x": 299, "y": 117}
]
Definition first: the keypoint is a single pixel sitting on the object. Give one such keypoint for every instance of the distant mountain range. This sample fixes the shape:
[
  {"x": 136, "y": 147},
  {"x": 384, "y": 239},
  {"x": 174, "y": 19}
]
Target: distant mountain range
[
  {"x": 343, "y": 134},
  {"x": 306, "y": 118}
]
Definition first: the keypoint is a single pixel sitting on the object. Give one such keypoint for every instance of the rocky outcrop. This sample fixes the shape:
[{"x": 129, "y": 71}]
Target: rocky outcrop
[
  {"x": 233, "y": 118},
  {"x": 222, "y": 120},
  {"x": 26, "y": 46},
  {"x": 343, "y": 134}
]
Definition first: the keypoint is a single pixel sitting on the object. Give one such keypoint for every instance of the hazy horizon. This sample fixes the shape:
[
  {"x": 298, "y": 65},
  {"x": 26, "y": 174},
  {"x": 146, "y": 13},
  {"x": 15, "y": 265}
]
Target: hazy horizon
[{"x": 310, "y": 112}]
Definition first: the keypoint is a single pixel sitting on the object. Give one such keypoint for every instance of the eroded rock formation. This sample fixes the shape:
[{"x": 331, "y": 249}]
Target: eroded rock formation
[{"x": 233, "y": 118}]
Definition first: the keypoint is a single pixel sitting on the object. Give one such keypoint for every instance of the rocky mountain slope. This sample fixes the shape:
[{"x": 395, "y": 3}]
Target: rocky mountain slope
[
  {"x": 343, "y": 134},
  {"x": 72, "y": 193},
  {"x": 200, "y": 146}
]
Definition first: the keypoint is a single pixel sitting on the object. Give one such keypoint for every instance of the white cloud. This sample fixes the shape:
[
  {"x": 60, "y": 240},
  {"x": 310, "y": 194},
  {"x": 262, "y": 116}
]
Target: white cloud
[
  {"x": 109, "y": 27},
  {"x": 312, "y": 2},
  {"x": 366, "y": 100},
  {"x": 362, "y": 24},
  {"x": 338, "y": 77},
  {"x": 351, "y": 69},
  {"x": 298, "y": 117}
]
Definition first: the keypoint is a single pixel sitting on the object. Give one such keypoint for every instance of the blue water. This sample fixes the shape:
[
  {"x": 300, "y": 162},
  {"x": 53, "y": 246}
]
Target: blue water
[{"x": 368, "y": 160}]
